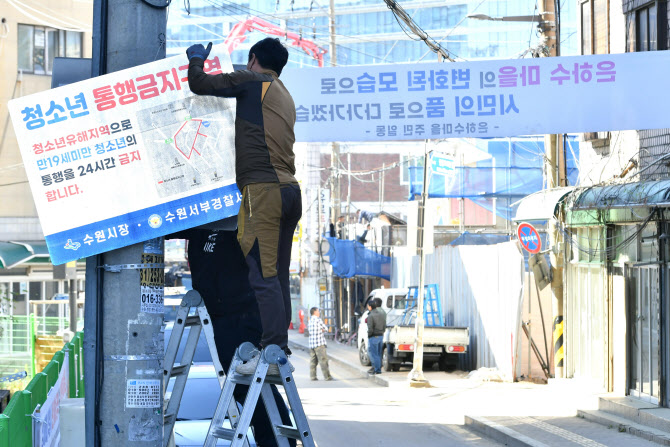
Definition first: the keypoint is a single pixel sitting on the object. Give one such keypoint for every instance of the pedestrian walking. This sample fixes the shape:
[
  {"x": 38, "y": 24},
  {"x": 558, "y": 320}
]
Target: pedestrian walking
[
  {"x": 265, "y": 173},
  {"x": 317, "y": 345},
  {"x": 376, "y": 322}
]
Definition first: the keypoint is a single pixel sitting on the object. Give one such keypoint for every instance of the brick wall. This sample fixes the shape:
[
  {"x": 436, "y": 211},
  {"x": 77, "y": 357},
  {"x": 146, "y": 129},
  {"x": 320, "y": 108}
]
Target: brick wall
[{"x": 365, "y": 188}]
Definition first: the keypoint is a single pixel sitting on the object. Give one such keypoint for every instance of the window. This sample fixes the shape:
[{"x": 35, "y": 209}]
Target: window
[
  {"x": 595, "y": 27},
  {"x": 646, "y": 27},
  {"x": 38, "y": 45}
]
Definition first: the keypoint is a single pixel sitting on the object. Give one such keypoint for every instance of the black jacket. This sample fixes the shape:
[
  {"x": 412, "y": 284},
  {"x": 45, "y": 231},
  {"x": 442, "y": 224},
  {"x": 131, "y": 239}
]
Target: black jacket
[{"x": 376, "y": 322}]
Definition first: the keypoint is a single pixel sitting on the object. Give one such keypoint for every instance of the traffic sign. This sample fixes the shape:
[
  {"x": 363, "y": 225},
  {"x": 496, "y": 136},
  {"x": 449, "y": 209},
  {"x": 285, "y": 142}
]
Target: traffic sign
[{"x": 529, "y": 238}]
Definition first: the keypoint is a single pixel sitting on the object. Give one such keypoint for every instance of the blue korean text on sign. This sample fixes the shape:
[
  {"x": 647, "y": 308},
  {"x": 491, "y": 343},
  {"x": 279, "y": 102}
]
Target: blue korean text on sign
[
  {"x": 441, "y": 164},
  {"x": 529, "y": 238}
]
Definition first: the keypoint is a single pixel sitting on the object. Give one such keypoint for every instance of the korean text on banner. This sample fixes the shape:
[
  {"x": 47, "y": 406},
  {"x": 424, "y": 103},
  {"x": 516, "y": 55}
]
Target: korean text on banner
[
  {"x": 499, "y": 98},
  {"x": 128, "y": 156}
]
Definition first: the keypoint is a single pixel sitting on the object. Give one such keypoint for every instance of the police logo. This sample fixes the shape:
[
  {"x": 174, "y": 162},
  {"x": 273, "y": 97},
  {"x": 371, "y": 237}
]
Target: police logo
[{"x": 155, "y": 221}]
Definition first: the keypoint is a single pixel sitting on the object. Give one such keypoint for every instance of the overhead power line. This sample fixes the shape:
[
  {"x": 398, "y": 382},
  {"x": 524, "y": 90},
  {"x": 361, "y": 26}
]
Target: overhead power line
[{"x": 408, "y": 23}]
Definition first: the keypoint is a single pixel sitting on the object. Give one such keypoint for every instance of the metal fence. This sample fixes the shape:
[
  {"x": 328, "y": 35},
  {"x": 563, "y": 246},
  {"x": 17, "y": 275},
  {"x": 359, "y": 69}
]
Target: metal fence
[
  {"x": 17, "y": 340},
  {"x": 481, "y": 288},
  {"x": 16, "y": 422}
]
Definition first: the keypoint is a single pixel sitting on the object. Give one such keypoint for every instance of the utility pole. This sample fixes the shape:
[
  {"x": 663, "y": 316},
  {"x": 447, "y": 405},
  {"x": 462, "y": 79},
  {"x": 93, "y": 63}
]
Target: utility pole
[
  {"x": 416, "y": 377},
  {"x": 124, "y": 344},
  {"x": 554, "y": 160},
  {"x": 335, "y": 147}
]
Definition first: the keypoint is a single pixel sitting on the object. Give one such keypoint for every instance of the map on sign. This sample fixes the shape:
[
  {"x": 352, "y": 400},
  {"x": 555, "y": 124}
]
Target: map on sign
[
  {"x": 185, "y": 152},
  {"x": 128, "y": 156}
]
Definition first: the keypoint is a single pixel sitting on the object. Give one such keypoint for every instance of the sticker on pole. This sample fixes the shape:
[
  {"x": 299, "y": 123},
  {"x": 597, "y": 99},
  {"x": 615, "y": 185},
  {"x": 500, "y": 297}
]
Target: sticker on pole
[
  {"x": 151, "y": 284},
  {"x": 143, "y": 394},
  {"x": 529, "y": 238}
]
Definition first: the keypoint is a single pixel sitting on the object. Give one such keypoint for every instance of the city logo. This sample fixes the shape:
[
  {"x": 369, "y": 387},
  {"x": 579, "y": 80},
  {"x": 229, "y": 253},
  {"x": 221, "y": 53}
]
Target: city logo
[
  {"x": 72, "y": 245},
  {"x": 155, "y": 221}
]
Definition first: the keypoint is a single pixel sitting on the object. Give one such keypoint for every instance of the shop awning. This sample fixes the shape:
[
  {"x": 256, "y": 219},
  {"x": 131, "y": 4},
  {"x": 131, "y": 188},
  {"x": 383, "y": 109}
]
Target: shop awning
[
  {"x": 15, "y": 253},
  {"x": 540, "y": 205},
  {"x": 627, "y": 195}
]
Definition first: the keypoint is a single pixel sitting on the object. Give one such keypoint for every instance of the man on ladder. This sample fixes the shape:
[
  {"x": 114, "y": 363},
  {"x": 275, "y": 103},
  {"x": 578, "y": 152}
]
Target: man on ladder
[
  {"x": 265, "y": 174},
  {"x": 220, "y": 274}
]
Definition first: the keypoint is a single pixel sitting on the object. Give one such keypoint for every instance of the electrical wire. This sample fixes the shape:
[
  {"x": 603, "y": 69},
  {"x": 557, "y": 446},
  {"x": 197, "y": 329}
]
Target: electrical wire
[
  {"x": 400, "y": 14},
  {"x": 454, "y": 28}
]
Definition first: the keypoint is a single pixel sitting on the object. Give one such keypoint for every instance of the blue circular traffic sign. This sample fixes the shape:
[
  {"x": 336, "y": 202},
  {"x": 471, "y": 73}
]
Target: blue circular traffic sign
[{"x": 529, "y": 238}]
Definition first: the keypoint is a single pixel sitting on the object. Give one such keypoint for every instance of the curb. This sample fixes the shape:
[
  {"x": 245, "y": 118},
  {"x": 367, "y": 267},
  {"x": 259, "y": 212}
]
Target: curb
[
  {"x": 379, "y": 380},
  {"x": 624, "y": 425},
  {"x": 501, "y": 433}
]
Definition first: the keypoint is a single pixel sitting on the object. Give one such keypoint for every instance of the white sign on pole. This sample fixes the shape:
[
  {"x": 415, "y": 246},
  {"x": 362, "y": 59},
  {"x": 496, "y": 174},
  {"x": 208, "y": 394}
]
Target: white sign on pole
[
  {"x": 127, "y": 157},
  {"x": 485, "y": 99}
]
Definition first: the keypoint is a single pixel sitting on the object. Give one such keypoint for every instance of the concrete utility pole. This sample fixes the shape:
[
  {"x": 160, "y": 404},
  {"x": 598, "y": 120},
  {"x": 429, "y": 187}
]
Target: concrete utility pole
[
  {"x": 554, "y": 159},
  {"x": 416, "y": 377},
  {"x": 124, "y": 344},
  {"x": 335, "y": 146}
]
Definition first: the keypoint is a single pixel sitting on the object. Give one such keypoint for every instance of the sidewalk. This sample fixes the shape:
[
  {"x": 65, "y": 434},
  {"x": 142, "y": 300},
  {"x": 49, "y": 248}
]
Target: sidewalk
[
  {"x": 468, "y": 396},
  {"x": 561, "y": 413}
]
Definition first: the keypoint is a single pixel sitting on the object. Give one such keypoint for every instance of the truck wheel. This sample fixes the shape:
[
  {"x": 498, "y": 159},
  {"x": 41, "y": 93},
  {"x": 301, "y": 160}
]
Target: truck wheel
[{"x": 363, "y": 355}]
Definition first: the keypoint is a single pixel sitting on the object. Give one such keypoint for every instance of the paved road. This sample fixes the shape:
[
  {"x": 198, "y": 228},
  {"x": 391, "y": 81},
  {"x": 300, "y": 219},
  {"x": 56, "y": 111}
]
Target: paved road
[{"x": 353, "y": 411}]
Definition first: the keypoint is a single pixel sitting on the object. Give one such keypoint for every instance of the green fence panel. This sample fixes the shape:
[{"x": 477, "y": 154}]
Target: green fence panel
[{"x": 16, "y": 421}]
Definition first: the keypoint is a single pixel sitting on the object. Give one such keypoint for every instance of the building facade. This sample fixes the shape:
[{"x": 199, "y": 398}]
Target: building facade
[
  {"x": 31, "y": 37},
  {"x": 617, "y": 286}
]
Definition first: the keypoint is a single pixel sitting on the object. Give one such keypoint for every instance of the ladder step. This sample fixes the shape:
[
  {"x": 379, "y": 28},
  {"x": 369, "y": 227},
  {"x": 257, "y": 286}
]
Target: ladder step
[
  {"x": 288, "y": 432},
  {"x": 192, "y": 320},
  {"x": 224, "y": 433},
  {"x": 178, "y": 370},
  {"x": 246, "y": 379}
]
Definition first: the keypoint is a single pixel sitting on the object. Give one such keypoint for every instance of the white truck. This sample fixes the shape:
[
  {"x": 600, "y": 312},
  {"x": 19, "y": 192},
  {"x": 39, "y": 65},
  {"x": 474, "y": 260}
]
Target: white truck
[{"x": 440, "y": 344}]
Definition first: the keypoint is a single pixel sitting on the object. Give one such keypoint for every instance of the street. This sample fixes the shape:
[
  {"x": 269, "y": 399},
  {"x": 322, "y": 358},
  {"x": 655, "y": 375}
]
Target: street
[{"x": 352, "y": 410}]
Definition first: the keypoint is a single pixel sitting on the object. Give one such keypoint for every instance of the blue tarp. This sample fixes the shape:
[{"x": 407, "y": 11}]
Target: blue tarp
[
  {"x": 351, "y": 258},
  {"x": 514, "y": 170}
]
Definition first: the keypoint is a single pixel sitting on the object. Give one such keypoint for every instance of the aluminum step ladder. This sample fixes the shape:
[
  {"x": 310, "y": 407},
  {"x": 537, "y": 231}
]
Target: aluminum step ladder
[
  {"x": 432, "y": 309},
  {"x": 197, "y": 323},
  {"x": 259, "y": 386}
]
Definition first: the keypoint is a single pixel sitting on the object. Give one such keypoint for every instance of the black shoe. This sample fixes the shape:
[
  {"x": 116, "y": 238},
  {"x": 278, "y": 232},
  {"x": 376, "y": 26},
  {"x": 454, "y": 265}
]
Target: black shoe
[
  {"x": 371, "y": 371},
  {"x": 378, "y": 372}
]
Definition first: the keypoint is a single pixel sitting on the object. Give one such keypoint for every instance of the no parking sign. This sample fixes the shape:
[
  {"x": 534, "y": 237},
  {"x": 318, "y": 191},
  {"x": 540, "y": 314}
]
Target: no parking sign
[{"x": 529, "y": 238}]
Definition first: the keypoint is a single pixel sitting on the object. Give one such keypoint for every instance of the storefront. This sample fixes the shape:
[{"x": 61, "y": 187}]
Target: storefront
[{"x": 617, "y": 285}]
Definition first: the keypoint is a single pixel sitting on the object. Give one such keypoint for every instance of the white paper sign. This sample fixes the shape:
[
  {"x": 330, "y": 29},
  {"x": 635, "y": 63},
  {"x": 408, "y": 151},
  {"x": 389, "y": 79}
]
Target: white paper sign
[
  {"x": 143, "y": 394},
  {"x": 128, "y": 156},
  {"x": 498, "y": 98}
]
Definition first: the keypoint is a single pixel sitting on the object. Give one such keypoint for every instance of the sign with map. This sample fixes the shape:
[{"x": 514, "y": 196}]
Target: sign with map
[{"x": 128, "y": 156}]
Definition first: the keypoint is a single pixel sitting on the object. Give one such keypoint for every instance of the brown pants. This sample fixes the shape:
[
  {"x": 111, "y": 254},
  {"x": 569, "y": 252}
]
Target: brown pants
[{"x": 318, "y": 355}]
